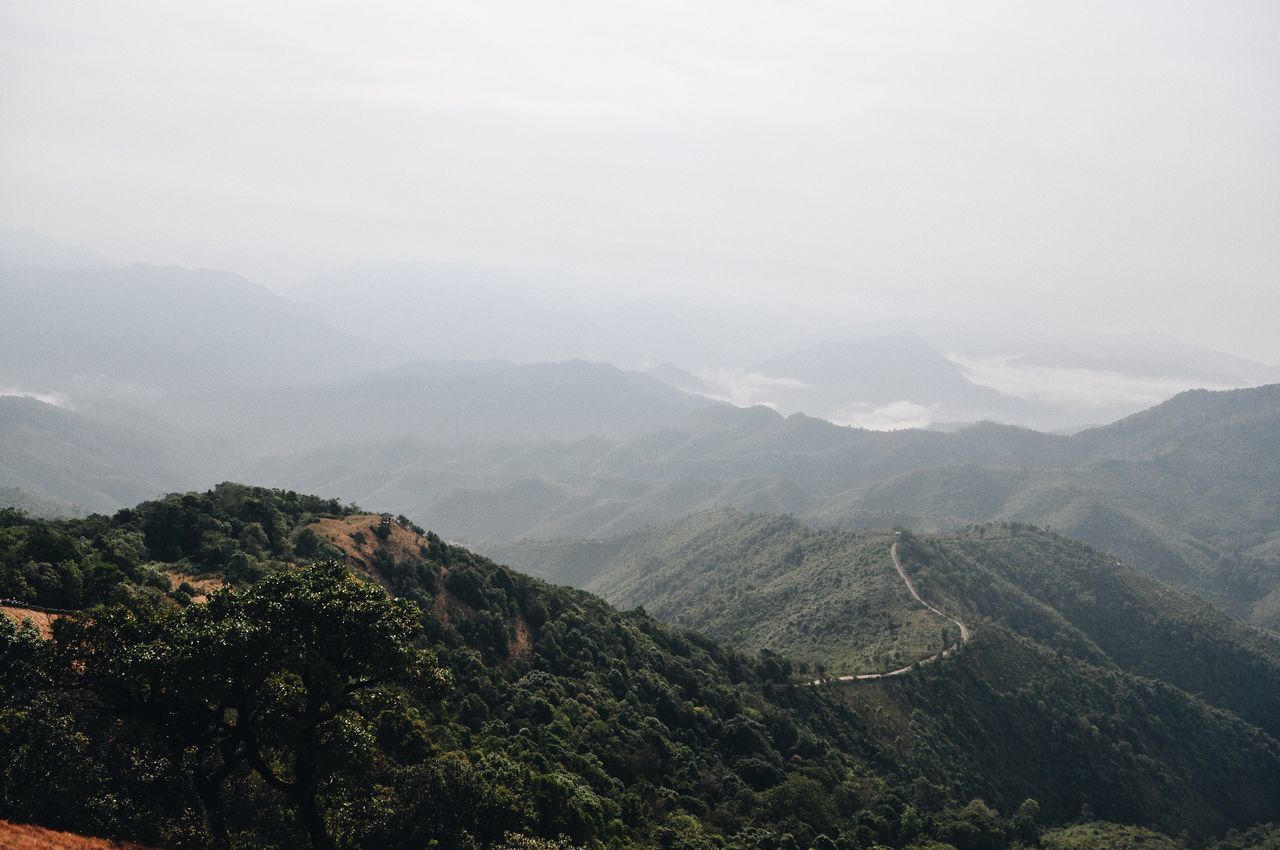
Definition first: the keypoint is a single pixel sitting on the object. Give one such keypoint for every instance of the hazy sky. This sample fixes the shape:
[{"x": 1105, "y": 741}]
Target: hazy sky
[{"x": 1117, "y": 164}]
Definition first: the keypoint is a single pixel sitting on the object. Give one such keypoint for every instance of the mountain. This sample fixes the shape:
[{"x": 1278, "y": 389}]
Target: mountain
[
  {"x": 1187, "y": 491},
  {"x": 482, "y": 708},
  {"x": 910, "y": 372},
  {"x": 854, "y": 381},
  {"x": 56, "y": 461},
  {"x": 23, "y": 248},
  {"x": 127, "y": 327},
  {"x": 1054, "y": 623},
  {"x": 489, "y": 403},
  {"x": 527, "y": 316},
  {"x": 751, "y": 581},
  {"x": 834, "y": 598},
  {"x": 495, "y": 451}
]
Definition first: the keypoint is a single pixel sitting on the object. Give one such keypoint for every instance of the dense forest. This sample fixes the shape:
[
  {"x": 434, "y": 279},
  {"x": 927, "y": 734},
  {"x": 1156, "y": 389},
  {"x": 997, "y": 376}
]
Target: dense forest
[
  {"x": 257, "y": 668},
  {"x": 492, "y": 454},
  {"x": 831, "y": 598},
  {"x": 828, "y": 599}
]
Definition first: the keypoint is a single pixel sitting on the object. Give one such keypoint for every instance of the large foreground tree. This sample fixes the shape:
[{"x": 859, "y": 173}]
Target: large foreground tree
[{"x": 284, "y": 680}]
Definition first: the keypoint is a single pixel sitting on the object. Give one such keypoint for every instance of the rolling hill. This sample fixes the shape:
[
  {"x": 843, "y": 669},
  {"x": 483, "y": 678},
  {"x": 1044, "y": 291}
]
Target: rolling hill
[
  {"x": 542, "y": 711},
  {"x": 60, "y": 462},
  {"x": 832, "y": 597},
  {"x": 1187, "y": 491}
]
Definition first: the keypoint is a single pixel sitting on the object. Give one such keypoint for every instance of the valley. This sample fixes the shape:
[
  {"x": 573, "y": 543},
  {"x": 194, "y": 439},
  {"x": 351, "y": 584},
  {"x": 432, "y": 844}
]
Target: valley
[
  {"x": 639, "y": 426},
  {"x": 1093, "y": 707}
]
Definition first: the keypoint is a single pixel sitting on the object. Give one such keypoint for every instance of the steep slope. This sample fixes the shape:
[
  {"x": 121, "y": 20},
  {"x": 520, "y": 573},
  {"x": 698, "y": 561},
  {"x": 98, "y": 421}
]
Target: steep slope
[
  {"x": 833, "y": 597},
  {"x": 564, "y": 716},
  {"x": 1187, "y": 491},
  {"x": 751, "y": 581},
  {"x": 1072, "y": 598},
  {"x": 1071, "y": 655},
  {"x": 1085, "y": 736}
]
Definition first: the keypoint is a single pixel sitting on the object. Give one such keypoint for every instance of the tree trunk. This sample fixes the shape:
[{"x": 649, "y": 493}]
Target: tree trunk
[
  {"x": 313, "y": 821},
  {"x": 210, "y": 792}
]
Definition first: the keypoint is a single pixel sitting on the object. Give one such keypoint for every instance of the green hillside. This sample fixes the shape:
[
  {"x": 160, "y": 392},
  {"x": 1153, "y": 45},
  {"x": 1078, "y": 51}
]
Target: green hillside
[
  {"x": 481, "y": 705},
  {"x": 751, "y": 581},
  {"x": 55, "y": 461},
  {"x": 1072, "y": 598},
  {"x": 832, "y": 597},
  {"x": 1188, "y": 491}
]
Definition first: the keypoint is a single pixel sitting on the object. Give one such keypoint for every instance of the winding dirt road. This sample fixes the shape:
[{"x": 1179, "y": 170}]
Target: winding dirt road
[{"x": 911, "y": 588}]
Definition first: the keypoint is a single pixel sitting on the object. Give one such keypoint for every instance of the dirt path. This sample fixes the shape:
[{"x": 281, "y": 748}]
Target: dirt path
[{"x": 911, "y": 588}]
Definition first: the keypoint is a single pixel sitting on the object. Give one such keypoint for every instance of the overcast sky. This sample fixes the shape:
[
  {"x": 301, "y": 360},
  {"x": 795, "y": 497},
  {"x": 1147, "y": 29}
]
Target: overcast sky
[{"x": 1115, "y": 164}]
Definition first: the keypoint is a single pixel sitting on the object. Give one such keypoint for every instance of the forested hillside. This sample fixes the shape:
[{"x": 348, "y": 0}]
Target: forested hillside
[
  {"x": 56, "y": 461},
  {"x": 424, "y": 693},
  {"x": 829, "y": 599},
  {"x": 493, "y": 452},
  {"x": 832, "y": 597},
  {"x": 1187, "y": 491}
]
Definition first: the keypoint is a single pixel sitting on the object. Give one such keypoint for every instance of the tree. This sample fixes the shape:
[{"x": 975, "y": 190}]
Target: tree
[{"x": 283, "y": 679}]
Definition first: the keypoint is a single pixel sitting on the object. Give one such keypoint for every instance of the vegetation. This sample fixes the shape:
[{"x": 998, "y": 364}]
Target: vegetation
[
  {"x": 1074, "y": 656},
  {"x": 472, "y": 706},
  {"x": 752, "y": 581},
  {"x": 1187, "y": 491},
  {"x": 1076, "y": 600}
]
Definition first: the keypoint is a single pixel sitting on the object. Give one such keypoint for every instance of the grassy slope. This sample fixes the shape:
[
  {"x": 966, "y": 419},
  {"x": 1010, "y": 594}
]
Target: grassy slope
[
  {"x": 751, "y": 581},
  {"x": 832, "y": 596},
  {"x": 1074, "y": 656}
]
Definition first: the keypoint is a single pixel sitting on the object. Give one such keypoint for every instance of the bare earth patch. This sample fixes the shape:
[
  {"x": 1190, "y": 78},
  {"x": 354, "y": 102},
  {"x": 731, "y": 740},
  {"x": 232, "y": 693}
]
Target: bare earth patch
[
  {"x": 521, "y": 648},
  {"x": 204, "y": 586},
  {"x": 357, "y": 536},
  {"x": 43, "y": 622},
  {"x": 14, "y": 836}
]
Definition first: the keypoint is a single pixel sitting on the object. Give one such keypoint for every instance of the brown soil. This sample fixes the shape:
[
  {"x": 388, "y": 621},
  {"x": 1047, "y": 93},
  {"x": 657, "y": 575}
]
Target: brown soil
[
  {"x": 402, "y": 543},
  {"x": 204, "y": 586},
  {"x": 43, "y": 623},
  {"x": 14, "y": 836},
  {"x": 521, "y": 649}
]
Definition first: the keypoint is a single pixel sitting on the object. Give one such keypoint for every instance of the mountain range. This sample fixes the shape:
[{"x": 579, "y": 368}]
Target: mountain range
[{"x": 523, "y": 711}]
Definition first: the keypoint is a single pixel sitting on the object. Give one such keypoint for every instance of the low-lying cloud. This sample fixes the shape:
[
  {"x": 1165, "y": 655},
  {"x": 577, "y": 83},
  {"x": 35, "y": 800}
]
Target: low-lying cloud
[
  {"x": 1074, "y": 388},
  {"x": 745, "y": 388},
  {"x": 893, "y": 416},
  {"x": 54, "y": 398}
]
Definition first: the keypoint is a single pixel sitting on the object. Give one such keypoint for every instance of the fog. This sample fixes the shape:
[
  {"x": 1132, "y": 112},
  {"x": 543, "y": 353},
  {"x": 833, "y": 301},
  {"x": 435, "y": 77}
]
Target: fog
[
  {"x": 582, "y": 266},
  {"x": 1098, "y": 166}
]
